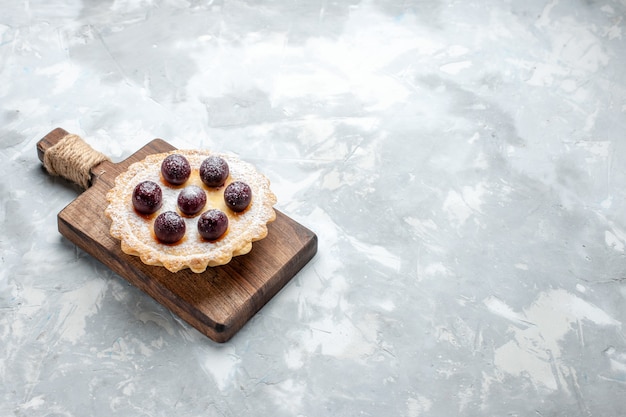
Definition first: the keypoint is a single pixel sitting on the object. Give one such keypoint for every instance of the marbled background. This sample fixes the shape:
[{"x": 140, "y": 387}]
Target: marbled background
[{"x": 460, "y": 161}]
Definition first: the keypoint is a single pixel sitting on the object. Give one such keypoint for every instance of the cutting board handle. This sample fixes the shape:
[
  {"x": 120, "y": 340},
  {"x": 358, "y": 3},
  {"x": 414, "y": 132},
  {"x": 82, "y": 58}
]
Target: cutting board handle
[{"x": 68, "y": 156}]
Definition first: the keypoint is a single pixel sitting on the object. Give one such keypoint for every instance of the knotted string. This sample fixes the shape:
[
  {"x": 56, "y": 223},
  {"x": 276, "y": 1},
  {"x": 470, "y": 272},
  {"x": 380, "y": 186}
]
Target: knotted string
[{"x": 73, "y": 159}]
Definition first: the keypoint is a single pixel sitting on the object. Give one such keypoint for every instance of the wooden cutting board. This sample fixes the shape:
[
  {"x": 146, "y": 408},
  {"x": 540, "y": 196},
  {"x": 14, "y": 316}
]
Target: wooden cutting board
[{"x": 217, "y": 302}]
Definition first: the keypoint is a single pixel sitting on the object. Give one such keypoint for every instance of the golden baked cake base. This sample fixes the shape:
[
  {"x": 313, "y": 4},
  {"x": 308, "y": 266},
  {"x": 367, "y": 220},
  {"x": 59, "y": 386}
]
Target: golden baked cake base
[{"x": 135, "y": 230}]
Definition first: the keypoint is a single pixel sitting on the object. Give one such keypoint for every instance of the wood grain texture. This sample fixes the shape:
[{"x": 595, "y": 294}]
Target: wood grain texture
[{"x": 217, "y": 302}]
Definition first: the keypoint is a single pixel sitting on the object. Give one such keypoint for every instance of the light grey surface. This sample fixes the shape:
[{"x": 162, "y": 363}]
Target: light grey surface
[{"x": 462, "y": 164}]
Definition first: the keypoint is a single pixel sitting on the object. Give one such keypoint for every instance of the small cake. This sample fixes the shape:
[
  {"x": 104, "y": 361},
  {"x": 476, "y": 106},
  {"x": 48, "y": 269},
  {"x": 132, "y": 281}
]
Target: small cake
[{"x": 189, "y": 209}]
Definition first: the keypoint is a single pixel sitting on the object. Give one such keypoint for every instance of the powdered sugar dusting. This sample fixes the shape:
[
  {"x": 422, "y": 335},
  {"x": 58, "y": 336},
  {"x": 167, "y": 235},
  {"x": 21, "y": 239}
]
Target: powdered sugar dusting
[{"x": 136, "y": 231}]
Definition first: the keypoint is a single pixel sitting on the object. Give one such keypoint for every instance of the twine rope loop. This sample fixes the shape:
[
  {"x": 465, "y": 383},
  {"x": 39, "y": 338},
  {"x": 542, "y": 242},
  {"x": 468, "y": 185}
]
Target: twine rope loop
[{"x": 73, "y": 158}]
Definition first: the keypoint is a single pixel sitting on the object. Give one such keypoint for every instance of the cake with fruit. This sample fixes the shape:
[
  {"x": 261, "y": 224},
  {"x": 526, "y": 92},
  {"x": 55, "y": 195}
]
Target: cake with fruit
[{"x": 190, "y": 209}]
